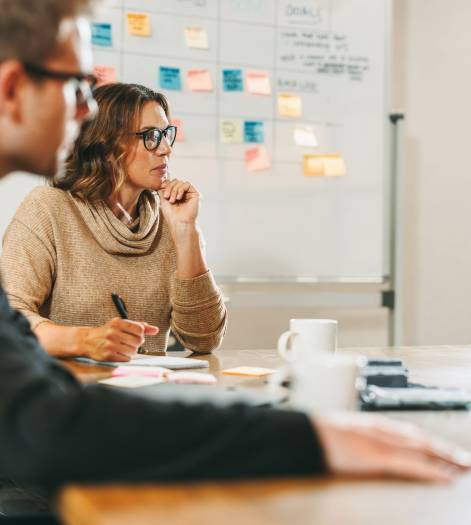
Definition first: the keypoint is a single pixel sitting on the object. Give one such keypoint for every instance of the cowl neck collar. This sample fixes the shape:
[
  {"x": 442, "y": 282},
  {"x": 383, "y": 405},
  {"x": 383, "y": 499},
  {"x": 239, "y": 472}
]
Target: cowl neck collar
[{"x": 114, "y": 236}]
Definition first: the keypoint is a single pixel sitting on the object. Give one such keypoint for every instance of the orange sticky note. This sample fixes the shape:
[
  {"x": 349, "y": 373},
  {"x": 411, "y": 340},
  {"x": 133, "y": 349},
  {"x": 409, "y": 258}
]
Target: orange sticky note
[
  {"x": 257, "y": 159},
  {"x": 196, "y": 37},
  {"x": 289, "y": 105},
  {"x": 199, "y": 80},
  {"x": 258, "y": 82},
  {"x": 253, "y": 371},
  {"x": 138, "y": 24},
  {"x": 329, "y": 165},
  {"x": 180, "y": 132},
  {"x": 104, "y": 75}
]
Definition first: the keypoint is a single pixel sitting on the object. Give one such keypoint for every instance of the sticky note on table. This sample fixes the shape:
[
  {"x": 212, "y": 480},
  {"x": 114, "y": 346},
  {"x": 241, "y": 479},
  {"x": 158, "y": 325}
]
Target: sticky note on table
[
  {"x": 199, "y": 80},
  {"x": 328, "y": 165},
  {"x": 257, "y": 159},
  {"x": 101, "y": 35},
  {"x": 305, "y": 136},
  {"x": 253, "y": 131},
  {"x": 132, "y": 381},
  {"x": 230, "y": 131},
  {"x": 253, "y": 371},
  {"x": 170, "y": 78},
  {"x": 180, "y": 131},
  {"x": 138, "y": 24},
  {"x": 232, "y": 80},
  {"x": 289, "y": 105},
  {"x": 258, "y": 82},
  {"x": 104, "y": 74},
  {"x": 196, "y": 37}
]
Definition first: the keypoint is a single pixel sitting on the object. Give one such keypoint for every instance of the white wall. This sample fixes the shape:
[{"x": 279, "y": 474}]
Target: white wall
[{"x": 433, "y": 86}]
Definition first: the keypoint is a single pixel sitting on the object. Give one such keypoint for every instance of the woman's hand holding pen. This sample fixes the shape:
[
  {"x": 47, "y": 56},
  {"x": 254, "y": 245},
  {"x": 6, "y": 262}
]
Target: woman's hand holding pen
[{"x": 117, "y": 340}]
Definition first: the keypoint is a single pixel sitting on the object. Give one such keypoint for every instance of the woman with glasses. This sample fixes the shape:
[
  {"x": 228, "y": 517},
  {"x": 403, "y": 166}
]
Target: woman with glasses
[{"x": 114, "y": 223}]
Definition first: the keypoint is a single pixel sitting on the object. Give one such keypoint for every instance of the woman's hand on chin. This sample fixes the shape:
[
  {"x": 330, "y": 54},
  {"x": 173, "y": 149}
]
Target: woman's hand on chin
[{"x": 180, "y": 202}]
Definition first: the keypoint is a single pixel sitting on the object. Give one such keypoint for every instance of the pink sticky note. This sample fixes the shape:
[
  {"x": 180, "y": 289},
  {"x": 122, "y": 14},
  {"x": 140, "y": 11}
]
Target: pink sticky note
[
  {"x": 257, "y": 159},
  {"x": 193, "y": 378},
  {"x": 105, "y": 75},
  {"x": 258, "y": 82},
  {"x": 199, "y": 80},
  {"x": 148, "y": 371},
  {"x": 180, "y": 132}
]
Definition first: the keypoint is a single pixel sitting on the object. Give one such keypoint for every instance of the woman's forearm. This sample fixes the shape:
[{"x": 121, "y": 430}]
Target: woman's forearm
[
  {"x": 190, "y": 258},
  {"x": 61, "y": 341}
]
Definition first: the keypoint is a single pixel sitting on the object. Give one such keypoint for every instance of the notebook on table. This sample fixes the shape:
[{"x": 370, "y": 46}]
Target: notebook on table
[{"x": 165, "y": 361}]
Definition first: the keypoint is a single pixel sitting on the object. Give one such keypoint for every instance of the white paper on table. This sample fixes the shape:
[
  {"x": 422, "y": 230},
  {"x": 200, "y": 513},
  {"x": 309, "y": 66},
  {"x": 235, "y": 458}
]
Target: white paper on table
[{"x": 166, "y": 361}]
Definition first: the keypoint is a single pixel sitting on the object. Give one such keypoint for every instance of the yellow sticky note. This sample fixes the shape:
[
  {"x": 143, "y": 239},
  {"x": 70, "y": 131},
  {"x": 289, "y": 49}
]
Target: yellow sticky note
[
  {"x": 258, "y": 82},
  {"x": 289, "y": 105},
  {"x": 138, "y": 24},
  {"x": 180, "y": 131},
  {"x": 196, "y": 37},
  {"x": 199, "y": 80},
  {"x": 253, "y": 371},
  {"x": 304, "y": 136},
  {"x": 257, "y": 159},
  {"x": 231, "y": 131},
  {"x": 330, "y": 165},
  {"x": 104, "y": 75}
]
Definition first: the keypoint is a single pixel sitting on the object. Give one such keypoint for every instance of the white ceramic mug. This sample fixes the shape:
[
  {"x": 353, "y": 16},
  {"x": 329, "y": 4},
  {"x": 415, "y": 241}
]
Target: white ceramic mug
[
  {"x": 307, "y": 337},
  {"x": 326, "y": 383}
]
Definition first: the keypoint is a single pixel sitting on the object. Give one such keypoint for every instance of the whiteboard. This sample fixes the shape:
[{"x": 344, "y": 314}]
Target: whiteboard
[{"x": 276, "y": 224}]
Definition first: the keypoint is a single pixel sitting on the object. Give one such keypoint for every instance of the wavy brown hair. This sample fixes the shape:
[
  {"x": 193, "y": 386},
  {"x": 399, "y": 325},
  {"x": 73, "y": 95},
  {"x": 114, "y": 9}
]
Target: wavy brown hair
[{"x": 95, "y": 169}]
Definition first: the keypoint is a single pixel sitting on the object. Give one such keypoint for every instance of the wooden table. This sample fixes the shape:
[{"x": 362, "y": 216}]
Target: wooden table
[{"x": 301, "y": 501}]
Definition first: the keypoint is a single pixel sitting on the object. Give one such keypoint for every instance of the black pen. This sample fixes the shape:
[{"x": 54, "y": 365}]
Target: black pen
[{"x": 120, "y": 306}]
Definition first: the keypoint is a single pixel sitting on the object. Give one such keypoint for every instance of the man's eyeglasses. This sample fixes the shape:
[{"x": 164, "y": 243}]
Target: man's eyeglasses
[
  {"x": 83, "y": 83},
  {"x": 153, "y": 137}
]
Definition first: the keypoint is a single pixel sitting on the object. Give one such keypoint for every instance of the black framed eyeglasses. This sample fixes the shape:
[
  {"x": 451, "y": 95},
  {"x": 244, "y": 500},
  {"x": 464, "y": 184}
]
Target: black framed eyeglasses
[
  {"x": 153, "y": 137},
  {"x": 84, "y": 83}
]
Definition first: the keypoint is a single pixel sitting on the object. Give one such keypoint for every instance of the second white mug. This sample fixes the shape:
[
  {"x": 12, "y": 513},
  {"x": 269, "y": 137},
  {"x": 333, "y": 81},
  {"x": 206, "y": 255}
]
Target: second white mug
[{"x": 307, "y": 337}]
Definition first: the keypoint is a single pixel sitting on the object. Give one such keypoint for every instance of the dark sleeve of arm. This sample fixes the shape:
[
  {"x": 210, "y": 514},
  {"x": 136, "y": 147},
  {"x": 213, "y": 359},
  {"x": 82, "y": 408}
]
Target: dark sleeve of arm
[{"x": 53, "y": 431}]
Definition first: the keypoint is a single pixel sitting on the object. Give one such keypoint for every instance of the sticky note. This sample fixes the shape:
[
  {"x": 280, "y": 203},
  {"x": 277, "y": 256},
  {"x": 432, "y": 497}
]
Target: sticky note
[
  {"x": 196, "y": 37},
  {"x": 254, "y": 371},
  {"x": 101, "y": 35},
  {"x": 149, "y": 371},
  {"x": 170, "y": 78},
  {"x": 138, "y": 24},
  {"x": 132, "y": 381},
  {"x": 328, "y": 165},
  {"x": 180, "y": 131},
  {"x": 258, "y": 82},
  {"x": 289, "y": 105},
  {"x": 193, "y": 378},
  {"x": 305, "y": 136},
  {"x": 232, "y": 80},
  {"x": 257, "y": 159},
  {"x": 253, "y": 131},
  {"x": 199, "y": 80},
  {"x": 104, "y": 74},
  {"x": 230, "y": 131}
]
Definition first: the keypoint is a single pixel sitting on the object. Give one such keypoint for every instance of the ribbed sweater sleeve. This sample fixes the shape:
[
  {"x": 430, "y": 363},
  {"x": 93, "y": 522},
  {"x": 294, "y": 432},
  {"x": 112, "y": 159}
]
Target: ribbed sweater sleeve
[
  {"x": 199, "y": 315},
  {"x": 28, "y": 263}
]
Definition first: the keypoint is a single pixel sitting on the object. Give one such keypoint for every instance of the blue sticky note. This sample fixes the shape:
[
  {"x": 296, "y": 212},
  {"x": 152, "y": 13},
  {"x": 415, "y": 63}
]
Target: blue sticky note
[
  {"x": 101, "y": 35},
  {"x": 253, "y": 131},
  {"x": 232, "y": 80},
  {"x": 170, "y": 78}
]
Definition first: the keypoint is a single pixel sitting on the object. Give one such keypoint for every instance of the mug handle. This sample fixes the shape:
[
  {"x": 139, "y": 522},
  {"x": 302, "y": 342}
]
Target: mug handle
[{"x": 287, "y": 355}]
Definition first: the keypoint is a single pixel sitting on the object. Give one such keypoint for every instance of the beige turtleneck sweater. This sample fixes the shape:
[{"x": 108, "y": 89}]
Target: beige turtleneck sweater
[{"x": 62, "y": 258}]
